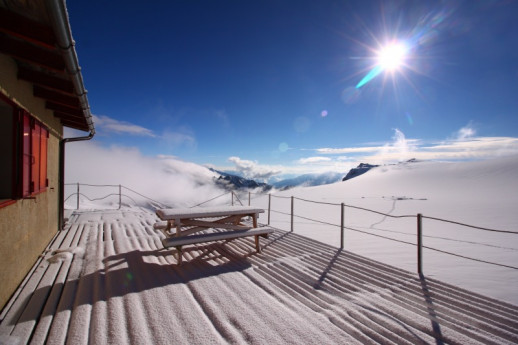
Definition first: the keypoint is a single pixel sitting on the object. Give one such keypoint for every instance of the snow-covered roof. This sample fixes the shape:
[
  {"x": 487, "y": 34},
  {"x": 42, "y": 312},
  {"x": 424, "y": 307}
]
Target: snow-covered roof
[{"x": 107, "y": 279}]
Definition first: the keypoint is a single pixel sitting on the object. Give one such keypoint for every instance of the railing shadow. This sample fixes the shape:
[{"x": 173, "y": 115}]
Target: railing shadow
[
  {"x": 436, "y": 327},
  {"x": 326, "y": 271},
  {"x": 436, "y": 331}
]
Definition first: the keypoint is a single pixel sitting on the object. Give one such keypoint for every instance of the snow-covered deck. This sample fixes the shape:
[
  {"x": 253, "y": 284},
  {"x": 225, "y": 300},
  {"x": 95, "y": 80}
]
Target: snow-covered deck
[{"x": 113, "y": 282}]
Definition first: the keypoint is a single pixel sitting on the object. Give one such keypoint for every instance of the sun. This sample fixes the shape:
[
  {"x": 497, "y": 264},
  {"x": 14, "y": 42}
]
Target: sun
[{"x": 392, "y": 56}]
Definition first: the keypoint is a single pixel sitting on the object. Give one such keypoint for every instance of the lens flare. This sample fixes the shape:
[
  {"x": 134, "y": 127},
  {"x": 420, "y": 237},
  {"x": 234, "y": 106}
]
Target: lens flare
[
  {"x": 371, "y": 75},
  {"x": 409, "y": 118},
  {"x": 283, "y": 147},
  {"x": 351, "y": 95}
]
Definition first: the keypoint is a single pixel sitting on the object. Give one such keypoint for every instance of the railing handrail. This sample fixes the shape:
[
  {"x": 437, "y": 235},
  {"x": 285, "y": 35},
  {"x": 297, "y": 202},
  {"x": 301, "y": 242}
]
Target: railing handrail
[
  {"x": 390, "y": 215},
  {"x": 342, "y": 226},
  {"x": 92, "y": 185},
  {"x": 471, "y": 226},
  {"x": 419, "y": 217},
  {"x": 120, "y": 194}
]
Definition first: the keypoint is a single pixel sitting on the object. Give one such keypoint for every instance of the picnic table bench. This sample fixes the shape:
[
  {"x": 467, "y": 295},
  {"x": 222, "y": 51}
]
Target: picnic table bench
[{"x": 188, "y": 221}]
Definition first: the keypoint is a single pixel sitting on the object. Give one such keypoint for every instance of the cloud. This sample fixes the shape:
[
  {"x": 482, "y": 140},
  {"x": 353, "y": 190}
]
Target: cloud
[
  {"x": 399, "y": 149},
  {"x": 454, "y": 149},
  {"x": 473, "y": 148},
  {"x": 222, "y": 116},
  {"x": 333, "y": 151},
  {"x": 463, "y": 146},
  {"x": 313, "y": 160},
  {"x": 107, "y": 124},
  {"x": 181, "y": 137},
  {"x": 251, "y": 169},
  {"x": 163, "y": 178},
  {"x": 466, "y": 132},
  {"x": 470, "y": 149}
]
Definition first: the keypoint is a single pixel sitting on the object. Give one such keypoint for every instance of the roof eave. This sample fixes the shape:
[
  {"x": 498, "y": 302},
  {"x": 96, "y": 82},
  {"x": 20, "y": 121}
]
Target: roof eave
[
  {"x": 38, "y": 38},
  {"x": 61, "y": 25}
]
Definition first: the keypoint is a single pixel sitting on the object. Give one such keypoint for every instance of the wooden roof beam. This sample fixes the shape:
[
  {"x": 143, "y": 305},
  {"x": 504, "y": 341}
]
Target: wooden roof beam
[
  {"x": 56, "y": 97},
  {"x": 45, "y": 80},
  {"x": 64, "y": 109},
  {"x": 27, "y": 29},
  {"x": 83, "y": 126},
  {"x": 62, "y": 115},
  {"x": 31, "y": 53}
]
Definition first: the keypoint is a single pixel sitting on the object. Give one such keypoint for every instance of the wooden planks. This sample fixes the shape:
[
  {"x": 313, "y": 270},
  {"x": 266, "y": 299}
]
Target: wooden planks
[{"x": 23, "y": 312}]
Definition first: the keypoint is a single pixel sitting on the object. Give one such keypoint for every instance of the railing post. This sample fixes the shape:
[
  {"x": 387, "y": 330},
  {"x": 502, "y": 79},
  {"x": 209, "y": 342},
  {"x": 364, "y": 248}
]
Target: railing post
[
  {"x": 120, "y": 197},
  {"x": 77, "y": 196},
  {"x": 292, "y": 201},
  {"x": 269, "y": 206},
  {"x": 249, "y": 198},
  {"x": 420, "y": 243},
  {"x": 342, "y": 226}
]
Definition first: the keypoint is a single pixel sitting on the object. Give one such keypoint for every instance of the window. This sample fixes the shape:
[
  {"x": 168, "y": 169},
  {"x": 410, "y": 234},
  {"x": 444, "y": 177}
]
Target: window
[
  {"x": 23, "y": 158},
  {"x": 35, "y": 137},
  {"x": 7, "y": 143}
]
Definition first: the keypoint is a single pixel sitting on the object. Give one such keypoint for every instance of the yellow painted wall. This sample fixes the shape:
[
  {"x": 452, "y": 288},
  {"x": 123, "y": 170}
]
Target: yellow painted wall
[{"x": 28, "y": 225}]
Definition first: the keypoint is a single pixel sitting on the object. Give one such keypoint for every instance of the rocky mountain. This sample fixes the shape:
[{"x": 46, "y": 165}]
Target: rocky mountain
[
  {"x": 309, "y": 180},
  {"x": 233, "y": 182},
  {"x": 364, "y": 167},
  {"x": 359, "y": 170}
]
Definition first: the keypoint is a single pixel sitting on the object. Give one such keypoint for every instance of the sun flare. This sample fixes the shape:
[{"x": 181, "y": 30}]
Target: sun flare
[{"x": 392, "y": 56}]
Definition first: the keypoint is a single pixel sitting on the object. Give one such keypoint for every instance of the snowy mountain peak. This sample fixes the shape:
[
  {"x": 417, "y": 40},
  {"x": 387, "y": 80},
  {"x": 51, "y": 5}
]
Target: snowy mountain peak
[
  {"x": 309, "y": 180},
  {"x": 361, "y": 169}
]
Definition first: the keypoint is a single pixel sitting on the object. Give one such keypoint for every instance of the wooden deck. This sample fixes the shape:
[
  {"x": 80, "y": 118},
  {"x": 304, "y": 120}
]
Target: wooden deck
[{"x": 115, "y": 283}]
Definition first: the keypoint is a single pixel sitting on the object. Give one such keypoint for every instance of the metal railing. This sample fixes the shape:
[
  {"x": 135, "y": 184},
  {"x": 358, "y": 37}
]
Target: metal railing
[
  {"x": 118, "y": 192},
  {"x": 234, "y": 198},
  {"x": 419, "y": 227}
]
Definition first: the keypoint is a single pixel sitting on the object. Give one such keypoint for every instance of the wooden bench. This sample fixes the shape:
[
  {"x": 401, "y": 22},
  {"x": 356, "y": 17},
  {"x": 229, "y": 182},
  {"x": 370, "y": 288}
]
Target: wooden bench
[
  {"x": 178, "y": 242},
  {"x": 202, "y": 218}
]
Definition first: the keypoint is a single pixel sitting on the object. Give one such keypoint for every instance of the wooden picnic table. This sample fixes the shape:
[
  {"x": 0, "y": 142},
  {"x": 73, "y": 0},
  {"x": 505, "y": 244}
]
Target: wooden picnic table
[
  {"x": 198, "y": 219},
  {"x": 202, "y": 218}
]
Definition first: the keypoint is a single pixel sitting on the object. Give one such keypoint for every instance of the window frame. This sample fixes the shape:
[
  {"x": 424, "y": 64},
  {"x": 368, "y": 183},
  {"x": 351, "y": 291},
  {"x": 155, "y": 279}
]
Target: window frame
[
  {"x": 29, "y": 155},
  {"x": 14, "y": 146}
]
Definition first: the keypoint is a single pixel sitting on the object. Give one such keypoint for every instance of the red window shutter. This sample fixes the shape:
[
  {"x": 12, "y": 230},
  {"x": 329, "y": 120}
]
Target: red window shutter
[
  {"x": 43, "y": 158},
  {"x": 26, "y": 155},
  {"x": 36, "y": 146},
  {"x": 34, "y": 155}
]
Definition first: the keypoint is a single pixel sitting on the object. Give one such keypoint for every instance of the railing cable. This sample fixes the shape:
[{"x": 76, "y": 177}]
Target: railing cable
[
  {"x": 219, "y": 196},
  {"x": 471, "y": 226},
  {"x": 325, "y": 223},
  {"x": 400, "y": 241},
  {"x": 473, "y": 259},
  {"x": 141, "y": 195}
]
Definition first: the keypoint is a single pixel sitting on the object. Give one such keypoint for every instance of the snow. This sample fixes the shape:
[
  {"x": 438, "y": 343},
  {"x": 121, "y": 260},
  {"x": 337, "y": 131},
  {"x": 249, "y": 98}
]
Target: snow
[
  {"x": 64, "y": 254},
  {"x": 204, "y": 212},
  {"x": 108, "y": 279},
  {"x": 482, "y": 193}
]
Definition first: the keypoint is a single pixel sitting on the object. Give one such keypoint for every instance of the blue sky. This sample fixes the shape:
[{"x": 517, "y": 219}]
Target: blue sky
[{"x": 269, "y": 88}]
